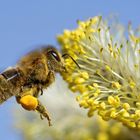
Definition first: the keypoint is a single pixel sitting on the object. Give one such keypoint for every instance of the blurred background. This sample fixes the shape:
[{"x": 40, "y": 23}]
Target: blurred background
[{"x": 25, "y": 25}]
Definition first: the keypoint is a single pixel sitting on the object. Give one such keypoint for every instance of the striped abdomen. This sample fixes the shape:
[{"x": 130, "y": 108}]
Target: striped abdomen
[{"x": 10, "y": 84}]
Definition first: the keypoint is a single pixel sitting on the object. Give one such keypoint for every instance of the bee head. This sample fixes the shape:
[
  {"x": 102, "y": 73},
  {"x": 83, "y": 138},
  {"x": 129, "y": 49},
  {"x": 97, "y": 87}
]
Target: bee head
[{"x": 54, "y": 59}]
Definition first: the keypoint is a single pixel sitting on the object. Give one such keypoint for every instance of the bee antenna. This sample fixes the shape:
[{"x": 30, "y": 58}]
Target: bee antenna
[{"x": 64, "y": 55}]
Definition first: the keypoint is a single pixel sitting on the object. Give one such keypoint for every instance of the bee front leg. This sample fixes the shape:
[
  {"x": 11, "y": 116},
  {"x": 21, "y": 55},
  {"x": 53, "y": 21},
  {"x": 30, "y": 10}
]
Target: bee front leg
[
  {"x": 43, "y": 112},
  {"x": 40, "y": 91}
]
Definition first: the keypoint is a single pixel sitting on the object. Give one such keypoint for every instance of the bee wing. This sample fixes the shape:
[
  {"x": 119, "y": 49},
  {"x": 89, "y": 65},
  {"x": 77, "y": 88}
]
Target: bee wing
[{"x": 10, "y": 73}]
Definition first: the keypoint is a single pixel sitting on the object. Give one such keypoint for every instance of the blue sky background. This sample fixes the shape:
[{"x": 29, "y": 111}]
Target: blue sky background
[{"x": 27, "y": 24}]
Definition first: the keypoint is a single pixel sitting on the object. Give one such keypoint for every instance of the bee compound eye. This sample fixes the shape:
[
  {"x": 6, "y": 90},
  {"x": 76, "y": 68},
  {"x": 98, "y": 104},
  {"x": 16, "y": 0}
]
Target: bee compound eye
[{"x": 55, "y": 55}]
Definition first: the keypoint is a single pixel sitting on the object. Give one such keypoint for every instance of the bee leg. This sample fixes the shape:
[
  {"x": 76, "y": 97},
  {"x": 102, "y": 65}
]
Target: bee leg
[
  {"x": 41, "y": 91},
  {"x": 38, "y": 92},
  {"x": 41, "y": 117},
  {"x": 27, "y": 99},
  {"x": 19, "y": 96},
  {"x": 43, "y": 112}
]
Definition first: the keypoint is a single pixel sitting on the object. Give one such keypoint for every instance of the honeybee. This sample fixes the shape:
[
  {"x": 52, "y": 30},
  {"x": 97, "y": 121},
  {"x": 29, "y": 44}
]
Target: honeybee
[{"x": 31, "y": 75}]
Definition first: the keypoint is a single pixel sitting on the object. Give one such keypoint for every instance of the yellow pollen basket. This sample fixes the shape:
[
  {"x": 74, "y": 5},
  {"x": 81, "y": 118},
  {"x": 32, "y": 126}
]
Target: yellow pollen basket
[{"x": 29, "y": 102}]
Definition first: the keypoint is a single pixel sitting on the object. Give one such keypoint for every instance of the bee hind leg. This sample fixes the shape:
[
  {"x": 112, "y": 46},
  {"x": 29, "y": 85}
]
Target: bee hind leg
[{"x": 43, "y": 112}]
